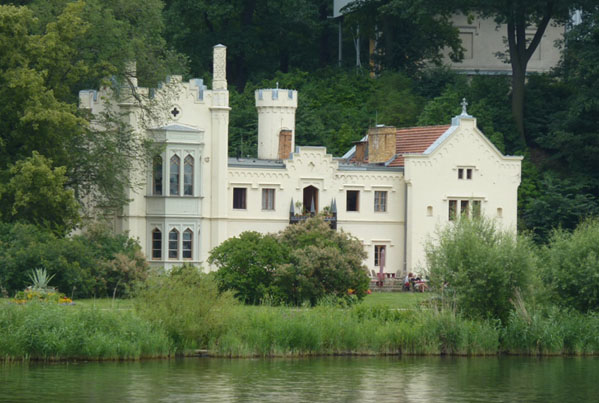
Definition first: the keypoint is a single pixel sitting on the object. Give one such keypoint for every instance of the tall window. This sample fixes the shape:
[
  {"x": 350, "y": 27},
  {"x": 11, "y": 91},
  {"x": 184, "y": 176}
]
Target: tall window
[
  {"x": 156, "y": 244},
  {"x": 187, "y": 243},
  {"x": 188, "y": 176},
  {"x": 268, "y": 199},
  {"x": 379, "y": 255},
  {"x": 453, "y": 208},
  {"x": 239, "y": 198},
  {"x": 173, "y": 244},
  {"x": 174, "y": 175},
  {"x": 353, "y": 200},
  {"x": 157, "y": 175},
  {"x": 475, "y": 208},
  {"x": 380, "y": 201},
  {"x": 466, "y": 207}
]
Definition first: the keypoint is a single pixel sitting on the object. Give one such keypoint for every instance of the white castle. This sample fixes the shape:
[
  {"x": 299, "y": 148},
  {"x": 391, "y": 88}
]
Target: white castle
[{"x": 392, "y": 190}]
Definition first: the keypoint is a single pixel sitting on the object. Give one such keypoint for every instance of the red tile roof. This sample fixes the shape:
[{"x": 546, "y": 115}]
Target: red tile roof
[
  {"x": 415, "y": 140},
  {"x": 412, "y": 140}
]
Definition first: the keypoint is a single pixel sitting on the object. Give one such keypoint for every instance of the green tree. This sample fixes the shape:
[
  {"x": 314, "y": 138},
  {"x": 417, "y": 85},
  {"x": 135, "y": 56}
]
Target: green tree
[
  {"x": 487, "y": 98},
  {"x": 571, "y": 267},
  {"x": 262, "y": 36},
  {"x": 247, "y": 264},
  {"x": 335, "y": 107},
  {"x": 45, "y": 61},
  {"x": 557, "y": 203},
  {"x": 520, "y": 16},
  {"x": 36, "y": 193},
  {"x": 480, "y": 267},
  {"x": 94, "y": 263},
  {"x": 410, "y": 33},
  {"x": 303, "y": 263},
  {"x": 322, "y": 262}
]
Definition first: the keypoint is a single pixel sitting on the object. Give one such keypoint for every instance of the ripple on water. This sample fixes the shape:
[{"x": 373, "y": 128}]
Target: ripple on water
[{"x": 330, "y": 379}]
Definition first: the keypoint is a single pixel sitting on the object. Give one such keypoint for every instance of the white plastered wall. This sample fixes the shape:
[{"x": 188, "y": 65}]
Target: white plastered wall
[
  {"x": 311, "y": 166},
  {"x": 433, "y": 180}
]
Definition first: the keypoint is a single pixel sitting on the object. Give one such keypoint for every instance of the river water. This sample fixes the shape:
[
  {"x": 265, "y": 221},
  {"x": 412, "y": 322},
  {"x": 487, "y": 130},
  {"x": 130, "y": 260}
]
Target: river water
[{"x": 332, "y": 379}]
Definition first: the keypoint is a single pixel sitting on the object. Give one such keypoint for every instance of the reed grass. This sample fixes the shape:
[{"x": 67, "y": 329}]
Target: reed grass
[
  {"x": 368, "y": 330},
  {"x": 38, "y": 331},
  {"x": 551, "y": 331}
]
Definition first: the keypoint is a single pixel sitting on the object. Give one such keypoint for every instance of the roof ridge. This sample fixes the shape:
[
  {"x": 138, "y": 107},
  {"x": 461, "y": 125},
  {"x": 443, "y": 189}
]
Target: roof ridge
[{"x": 421, "y": 127}]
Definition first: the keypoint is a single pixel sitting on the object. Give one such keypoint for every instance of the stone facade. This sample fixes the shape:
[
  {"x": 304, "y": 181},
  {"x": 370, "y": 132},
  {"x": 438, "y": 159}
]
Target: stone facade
[{"x": 194, "y": 196}]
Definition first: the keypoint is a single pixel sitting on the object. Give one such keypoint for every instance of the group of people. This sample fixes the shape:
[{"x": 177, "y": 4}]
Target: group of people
[{"x": 414, "y": 283}]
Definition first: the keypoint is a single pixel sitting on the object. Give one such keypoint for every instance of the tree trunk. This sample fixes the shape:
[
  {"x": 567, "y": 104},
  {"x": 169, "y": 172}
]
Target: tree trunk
[
  {"x": 324, "y": 46},
  {"x": 518, "y": 82},
  {"x": 520, "y": 55}
]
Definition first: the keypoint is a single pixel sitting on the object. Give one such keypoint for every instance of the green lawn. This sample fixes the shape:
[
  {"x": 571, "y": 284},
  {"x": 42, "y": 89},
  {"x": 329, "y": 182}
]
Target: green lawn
[
  {"x": 106, "y": 303},
  {"x": 397, "y": 300}
]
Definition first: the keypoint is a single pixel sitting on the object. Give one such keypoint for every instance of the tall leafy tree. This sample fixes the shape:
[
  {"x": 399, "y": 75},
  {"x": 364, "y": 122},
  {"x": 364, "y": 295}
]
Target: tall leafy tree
[
  {"x": 520, "y": 16},
  {"x": 409, "y": 33},
  {"x": 45, "y": 59},
  {"x": 263, "y": 36},
  {"x": 36, "y": 193}
]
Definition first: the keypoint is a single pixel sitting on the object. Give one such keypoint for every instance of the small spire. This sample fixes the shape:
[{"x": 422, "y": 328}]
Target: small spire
[
  {"x": 464, "y": 105},
  {"x": 291, "y": 209},
  {"x": 277, "y": 85},
  {"x": 312, "y": 209}
]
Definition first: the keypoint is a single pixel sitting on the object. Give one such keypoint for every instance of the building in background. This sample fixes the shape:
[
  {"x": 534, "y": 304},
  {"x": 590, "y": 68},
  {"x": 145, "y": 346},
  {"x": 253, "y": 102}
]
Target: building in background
[{"x": 483, "y": 41}]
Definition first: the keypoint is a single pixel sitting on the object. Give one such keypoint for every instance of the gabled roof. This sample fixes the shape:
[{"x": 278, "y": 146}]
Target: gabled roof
[
  {"x": 409, "y": 140},
  {"x": 415, "y": 140}
]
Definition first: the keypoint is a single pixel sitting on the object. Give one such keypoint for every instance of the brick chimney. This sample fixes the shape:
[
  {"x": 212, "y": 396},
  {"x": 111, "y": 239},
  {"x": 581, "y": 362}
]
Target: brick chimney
[
  {"x": 361, "y": 151},
  {"x": 381, "y": 143}
]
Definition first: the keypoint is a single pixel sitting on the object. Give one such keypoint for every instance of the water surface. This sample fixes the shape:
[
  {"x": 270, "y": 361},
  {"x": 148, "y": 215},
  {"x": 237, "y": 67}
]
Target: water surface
[{"x": 336, "y": 379}]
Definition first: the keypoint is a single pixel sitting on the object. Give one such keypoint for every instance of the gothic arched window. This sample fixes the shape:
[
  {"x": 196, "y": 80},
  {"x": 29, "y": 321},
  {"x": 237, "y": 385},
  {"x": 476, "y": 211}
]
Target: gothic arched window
[
  {"x": 188, "y": 176},
  {"x": 187, "y": 243},
  {"x": 174, "y": 175},
  {"x": 156, "y": 244},
  {"x": 173, "y": 244},
  {"x": 157, "y": 175}
]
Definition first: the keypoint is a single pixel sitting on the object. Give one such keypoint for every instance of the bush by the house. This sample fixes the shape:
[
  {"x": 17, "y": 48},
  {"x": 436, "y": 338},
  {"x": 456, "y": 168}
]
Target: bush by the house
[
  {"x": 570, "y": 268},
  {"x": 187, "y": 304},
  {"x": 480, "y": 268},
  {"x": 303, "y": 263},
  {"x": 95, "y": 263},
  {"x": 247, "y": 264}
]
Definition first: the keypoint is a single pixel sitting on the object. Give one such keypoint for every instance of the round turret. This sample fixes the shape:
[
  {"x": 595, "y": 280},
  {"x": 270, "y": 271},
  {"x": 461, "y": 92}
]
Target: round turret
[{"x": 276, "y": 122}]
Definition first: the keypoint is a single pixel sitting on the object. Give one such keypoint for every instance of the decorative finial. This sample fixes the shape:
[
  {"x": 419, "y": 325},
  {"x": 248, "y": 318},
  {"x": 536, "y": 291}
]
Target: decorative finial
[
  {"x": 464, "y": 105},
  {"x": 277, "y": 85}
]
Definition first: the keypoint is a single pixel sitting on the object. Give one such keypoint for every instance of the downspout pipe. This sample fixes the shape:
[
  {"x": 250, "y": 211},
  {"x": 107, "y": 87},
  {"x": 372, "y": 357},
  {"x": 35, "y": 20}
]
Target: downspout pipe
[{"x": 405, "y": 230}]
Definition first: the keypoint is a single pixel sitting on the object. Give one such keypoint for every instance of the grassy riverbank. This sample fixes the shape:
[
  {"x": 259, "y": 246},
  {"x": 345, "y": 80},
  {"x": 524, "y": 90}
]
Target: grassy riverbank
[
  {"x": 39, "y": 331},
  {"x": 382, "y": 324}
]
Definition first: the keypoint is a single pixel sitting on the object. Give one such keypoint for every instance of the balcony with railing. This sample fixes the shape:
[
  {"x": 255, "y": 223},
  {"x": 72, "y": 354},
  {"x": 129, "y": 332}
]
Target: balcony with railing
[{"x": 297, "y": 213}]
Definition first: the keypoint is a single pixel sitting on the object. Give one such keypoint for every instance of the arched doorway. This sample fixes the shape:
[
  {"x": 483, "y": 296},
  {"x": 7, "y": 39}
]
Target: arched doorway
[{"x": 310, "y": 194}]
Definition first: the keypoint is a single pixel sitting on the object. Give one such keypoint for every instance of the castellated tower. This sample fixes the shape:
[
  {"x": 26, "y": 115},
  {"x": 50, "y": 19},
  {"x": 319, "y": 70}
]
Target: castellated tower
[{"x": 276, "y": 122}]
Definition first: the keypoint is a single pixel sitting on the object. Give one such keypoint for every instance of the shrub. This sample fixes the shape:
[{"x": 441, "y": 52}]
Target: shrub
[
  {"x": 303, "y": 263},
  {"x": 90, "y": 264},
  {"x": 247, "y": 264},
  {"x": 187, "y": 304},
  {"x": 480, "y": 267},
  {"x": 570, "y": 267}
]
